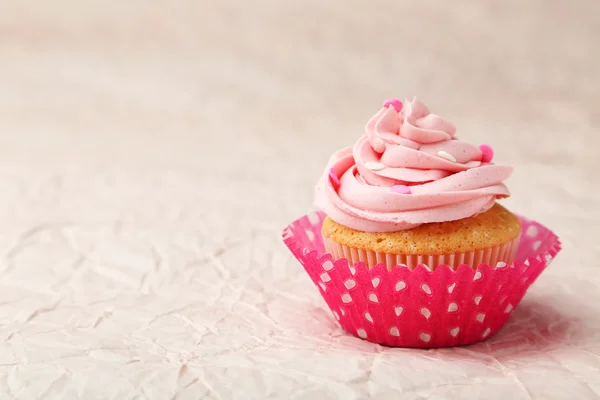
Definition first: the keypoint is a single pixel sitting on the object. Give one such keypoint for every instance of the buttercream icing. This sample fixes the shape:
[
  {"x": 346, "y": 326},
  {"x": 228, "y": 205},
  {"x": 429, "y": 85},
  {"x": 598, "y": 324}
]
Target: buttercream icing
[{"x": 409, "y": 169}]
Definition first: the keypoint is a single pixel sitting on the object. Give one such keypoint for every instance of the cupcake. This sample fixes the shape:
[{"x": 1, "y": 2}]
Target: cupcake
[{"x": 410, "y": 247}]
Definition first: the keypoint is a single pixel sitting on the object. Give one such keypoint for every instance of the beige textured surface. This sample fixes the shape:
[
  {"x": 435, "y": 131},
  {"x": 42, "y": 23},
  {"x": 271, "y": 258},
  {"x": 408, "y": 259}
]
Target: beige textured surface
[{"x": 151, "y": 152}]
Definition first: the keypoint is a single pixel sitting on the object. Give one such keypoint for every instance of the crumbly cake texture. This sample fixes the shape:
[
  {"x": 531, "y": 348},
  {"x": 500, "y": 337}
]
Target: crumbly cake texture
[{"x": 491, "y": 228}]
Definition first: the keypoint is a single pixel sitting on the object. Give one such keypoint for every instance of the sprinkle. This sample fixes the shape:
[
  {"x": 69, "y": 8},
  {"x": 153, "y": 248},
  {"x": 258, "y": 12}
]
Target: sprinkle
[
  {"x": 401, "y": 189},
  {"x": 487, "y": 153},
  {"x": 333, "y": 177},
  {"x": 374, "y": 165},
  {"x": 446, "y": 156},
  {"x": 397, "y": 104}
]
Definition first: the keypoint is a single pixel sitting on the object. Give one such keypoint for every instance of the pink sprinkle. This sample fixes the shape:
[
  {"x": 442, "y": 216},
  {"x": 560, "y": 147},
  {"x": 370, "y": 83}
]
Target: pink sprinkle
[
  {"x": 487, "y": 153},
  {"x": 397, "y": 104},
  {"x": 401, "y": 189},
  {"x": 333, "y": 177}
]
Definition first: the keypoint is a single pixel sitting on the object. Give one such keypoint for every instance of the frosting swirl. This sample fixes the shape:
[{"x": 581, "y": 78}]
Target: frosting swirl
[{"x": 409, "y": 169}]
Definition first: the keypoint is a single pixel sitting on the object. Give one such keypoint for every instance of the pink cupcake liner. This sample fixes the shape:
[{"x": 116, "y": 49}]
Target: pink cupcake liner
[
  {"x": 505, "y": 253},
  {"x": 418, "y": 307}
]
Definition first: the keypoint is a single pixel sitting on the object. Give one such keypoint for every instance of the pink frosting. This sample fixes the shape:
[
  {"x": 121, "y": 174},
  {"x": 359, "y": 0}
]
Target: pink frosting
[{"x": 447, "y": 179}]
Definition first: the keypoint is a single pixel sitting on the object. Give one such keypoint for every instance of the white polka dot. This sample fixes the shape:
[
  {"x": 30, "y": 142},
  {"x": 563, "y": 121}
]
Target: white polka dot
[
  {"x": 325, "y": 277},
  {"x": 323, "y": 287},
  {"x": 346, "y": 298},
  {"x": 394, "y": 331},
  {"x": 451, "y": 287},
  {"x": 352, "y": 271},
  {"x": 454, "y": 331},
  {"x": 287, "y": 234},
  {"x": 314, "y": 218},
  {"x": 452, "y": 307},
  {"x": 536, "y": 245},
  {"x": 328, "y": 265},
  {"x": 477, "y": 276},
  {"x": 548, "y": 258},
  {"x": 375, "y": 281},
  {"x": 361, "y": 333},
  {"x": 373, "y": 298},
  {"x": 310, "y": 235},
  {"x": 374, "y": 165},
  {"x": 401, "y": 285},
  {"x": 426, "y": 337},
  {"x": 477, "y": 299},
  {"x": 508, "y": 308},
  {"x": 368, "y": 317},
  {"x": 425, "y": 312},
  {"x": 336, "y": 315},
  {"x": 500, "y": 265},
  {"x": 350, "y": 283},
  {"x": 398, "y": 310},
  {"x": 480, "y": 317},
  {"x": 526, "y": 262},
  {"x": 486, "y": 332},
  {"x": 425, "y": 287},
  {"x": 446, "y": 156},
  {"x": 532, "y": 231}
]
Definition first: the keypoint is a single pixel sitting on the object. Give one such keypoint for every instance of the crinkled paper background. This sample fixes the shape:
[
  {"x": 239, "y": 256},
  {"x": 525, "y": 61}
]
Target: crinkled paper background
[{"x": 151, "y": 153}]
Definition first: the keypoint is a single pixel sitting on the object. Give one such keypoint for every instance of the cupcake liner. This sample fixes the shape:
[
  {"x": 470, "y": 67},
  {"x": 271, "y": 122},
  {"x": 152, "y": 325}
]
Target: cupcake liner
[
  {"x": 418, "y": 307},
  {"x": 505, "y": 253}
]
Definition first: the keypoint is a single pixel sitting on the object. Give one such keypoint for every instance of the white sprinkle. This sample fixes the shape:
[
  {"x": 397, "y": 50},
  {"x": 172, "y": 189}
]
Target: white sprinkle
[
  {"x": 374, "y": 165},
  {"x": 446, "y": 156}
]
